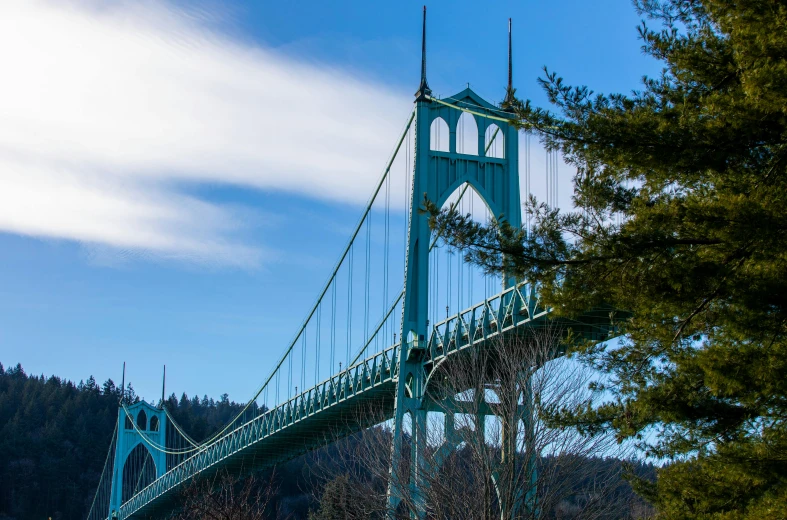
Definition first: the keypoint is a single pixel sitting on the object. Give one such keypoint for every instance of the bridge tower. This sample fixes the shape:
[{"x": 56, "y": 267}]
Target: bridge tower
[
  {"x": 437, "y": 174},
  {"x": 139, "y": 459}
]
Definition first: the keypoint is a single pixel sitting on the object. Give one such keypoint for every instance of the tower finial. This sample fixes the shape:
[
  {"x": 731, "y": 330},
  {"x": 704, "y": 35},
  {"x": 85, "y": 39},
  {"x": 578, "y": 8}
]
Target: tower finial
[
  {"x": 510, "y": 87},
  {"x": 163, "y": 385},
  {"x": 510, "y": 67},
  {"x": 423, "y": 88},
  {"x": 123, "y": 385}
]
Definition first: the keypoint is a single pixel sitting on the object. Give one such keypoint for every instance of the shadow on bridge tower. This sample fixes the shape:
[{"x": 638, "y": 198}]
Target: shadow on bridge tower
[
  {"x": 140, "y": 451},
  {"x": 438, "y": 172}
]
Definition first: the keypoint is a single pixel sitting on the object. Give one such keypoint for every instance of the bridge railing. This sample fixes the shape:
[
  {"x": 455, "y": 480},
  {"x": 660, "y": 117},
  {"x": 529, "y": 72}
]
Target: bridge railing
[
  {"x": 497, "y": 314},
  {"x": 371, "y": 372},
  {"x": 492, "y": 317}
]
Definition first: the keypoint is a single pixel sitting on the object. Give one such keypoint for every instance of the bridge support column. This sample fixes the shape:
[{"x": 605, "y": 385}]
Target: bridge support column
[
  {"x": 436, "y": 175},
  {"x": 516, "y": 477},
  {"x": 410, "y": 387},
  {"x": 514, "y": 474},
  {"x": 139, "y": 424}
]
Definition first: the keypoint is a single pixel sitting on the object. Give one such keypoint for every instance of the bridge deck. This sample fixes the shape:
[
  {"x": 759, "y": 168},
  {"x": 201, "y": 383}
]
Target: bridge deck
[
  {"x": 341, "y": 404},
  {"x": 311, "y": 419}
]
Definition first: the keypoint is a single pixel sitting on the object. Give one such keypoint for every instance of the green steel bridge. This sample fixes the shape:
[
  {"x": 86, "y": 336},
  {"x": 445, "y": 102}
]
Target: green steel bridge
[{"x": 449, "y": 147}]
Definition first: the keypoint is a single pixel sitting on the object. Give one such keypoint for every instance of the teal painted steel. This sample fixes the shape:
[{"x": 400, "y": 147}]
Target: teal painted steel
[
  {"x": 129, "y": 438},
  {"x": 436, "y": 175},
  {"x": 317, "y": 416},
  {"x": 397, "y": 378},
  {"x": 297, "y": 425}
]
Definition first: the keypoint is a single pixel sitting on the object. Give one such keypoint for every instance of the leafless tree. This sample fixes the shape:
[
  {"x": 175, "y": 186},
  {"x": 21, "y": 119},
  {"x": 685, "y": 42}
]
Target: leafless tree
[
  {"x": 228, "y": 497},
  {"x": 491, "y": 453}
]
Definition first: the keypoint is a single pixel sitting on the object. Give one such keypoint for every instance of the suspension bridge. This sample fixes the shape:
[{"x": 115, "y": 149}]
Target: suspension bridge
[{"x": 373, "y": 336}]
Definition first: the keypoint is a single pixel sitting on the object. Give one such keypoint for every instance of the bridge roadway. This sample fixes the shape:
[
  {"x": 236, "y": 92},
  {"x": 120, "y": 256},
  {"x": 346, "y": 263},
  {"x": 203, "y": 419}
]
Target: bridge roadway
[{"x": 342, "y": 404}]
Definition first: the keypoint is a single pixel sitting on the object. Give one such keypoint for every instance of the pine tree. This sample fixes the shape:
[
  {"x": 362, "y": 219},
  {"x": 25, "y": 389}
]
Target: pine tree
[
  {"x": 682, "y": 190},
  {"x": 336, "y": 501},
  {"x": 108, "y": 388}
]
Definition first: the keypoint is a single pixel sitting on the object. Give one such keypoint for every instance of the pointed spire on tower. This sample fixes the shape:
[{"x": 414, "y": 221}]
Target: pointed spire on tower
[
  {"x": 123, "y": 385},
  {"x": 423, "y": 88},
  {"x": 510, "y": 75},
  {"x": 510, "y": 88},
  {"x": 163, "y": 386}
]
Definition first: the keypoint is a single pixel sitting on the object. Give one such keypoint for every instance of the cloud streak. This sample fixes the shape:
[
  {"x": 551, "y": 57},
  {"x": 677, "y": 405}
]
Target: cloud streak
[{"x": 110, "y": 111}]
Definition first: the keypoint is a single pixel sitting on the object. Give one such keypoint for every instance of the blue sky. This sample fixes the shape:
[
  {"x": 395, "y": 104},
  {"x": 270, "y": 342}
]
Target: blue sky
[{"x": 178, "y": 179}]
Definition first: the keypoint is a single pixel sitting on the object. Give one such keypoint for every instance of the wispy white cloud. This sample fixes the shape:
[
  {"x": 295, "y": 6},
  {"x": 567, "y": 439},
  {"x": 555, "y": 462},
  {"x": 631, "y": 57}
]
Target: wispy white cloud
[{"x": 108, "y": 110}]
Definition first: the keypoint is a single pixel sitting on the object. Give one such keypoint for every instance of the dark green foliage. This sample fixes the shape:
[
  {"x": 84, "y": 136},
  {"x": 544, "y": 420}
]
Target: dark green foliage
[
  {"x": 338, "y": 502},
  {"x": 53, "y": 443},
  {"x": 201, "y": 417},
  {"x": 696, "y": 166},
  {"x": 621, "y": 502},
  {"x": 54, "y": 437}
]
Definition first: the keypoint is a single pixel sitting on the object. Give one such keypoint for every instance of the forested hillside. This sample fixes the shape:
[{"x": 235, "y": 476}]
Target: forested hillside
[{"x": 54, "y": 436}]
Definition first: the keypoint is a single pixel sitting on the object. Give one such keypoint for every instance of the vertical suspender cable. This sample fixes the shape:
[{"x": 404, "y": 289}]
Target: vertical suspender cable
[
  {"x": 436, "y": 284},
  {"x": 549, "y": 178},
  {"x": 333, "y": 325},
  {"x": 528, "y": 143},
  {"x": 470, "y": 266},
  {"x": 350, "y": 303},
  {"x": 432, "y": 284},
  {"x": 448, "y": 284},
  {"x": 319, "y": 333},
  {"x": 406, "y": 220},
  {"x": 460, "y": 265},
  {"x": 366, "y": 277},
  {"x": 386, "y": 248},
  {"x": 303, "y": 361},
  {"x": 487, "y": 280}
]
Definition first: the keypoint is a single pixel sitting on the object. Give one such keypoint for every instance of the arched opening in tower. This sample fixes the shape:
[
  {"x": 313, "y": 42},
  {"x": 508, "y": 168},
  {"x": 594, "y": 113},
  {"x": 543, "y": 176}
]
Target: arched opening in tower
[{"x": 139, "y": 471}]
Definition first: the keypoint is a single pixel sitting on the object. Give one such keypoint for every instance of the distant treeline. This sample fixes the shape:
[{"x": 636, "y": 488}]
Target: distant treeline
[{"x": 54, "y": 436}]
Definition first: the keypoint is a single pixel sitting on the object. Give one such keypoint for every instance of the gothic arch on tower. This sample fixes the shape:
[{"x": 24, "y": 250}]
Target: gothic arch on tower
[
  {"x": 491, "y": 167},
  {"x": 139, "y": 470},
  {"x": 140, "y": 455}
]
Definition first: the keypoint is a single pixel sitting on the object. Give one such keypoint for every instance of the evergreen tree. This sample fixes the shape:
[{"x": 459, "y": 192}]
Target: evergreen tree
[
  {"x": 54, "y": 437},
  {"x": 108, "y": 388},
  {"x": 336, "y": 502},
  {"x": 683, "y": 223}
]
